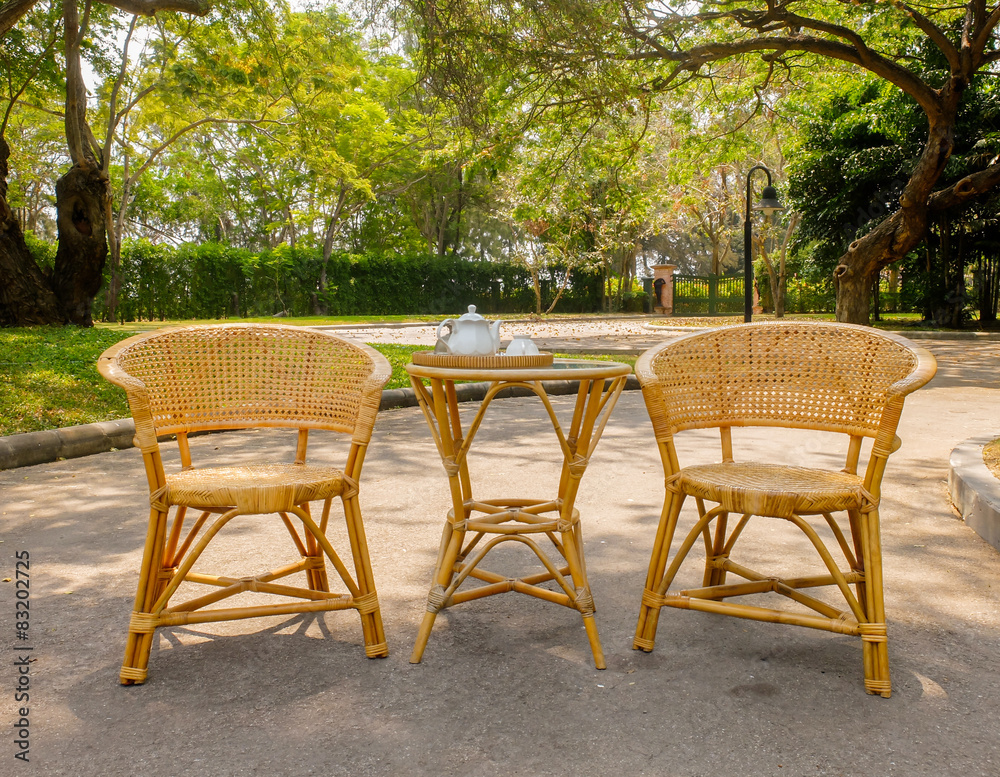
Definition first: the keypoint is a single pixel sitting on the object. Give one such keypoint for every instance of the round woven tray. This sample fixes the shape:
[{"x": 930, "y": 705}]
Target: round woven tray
[{"x": 497, "y": 361}]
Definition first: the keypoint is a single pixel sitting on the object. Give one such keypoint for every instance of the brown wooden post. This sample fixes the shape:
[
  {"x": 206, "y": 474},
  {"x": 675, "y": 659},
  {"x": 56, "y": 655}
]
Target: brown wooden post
[{"x": 664, "y": 303}]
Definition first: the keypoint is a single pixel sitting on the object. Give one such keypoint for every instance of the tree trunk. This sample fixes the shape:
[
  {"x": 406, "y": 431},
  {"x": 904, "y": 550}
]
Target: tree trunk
[
  {"x": 772, "y": 281},
  {"x": 903, "y": 230},
  {"x": 26, "y": 298},
  {"x": 853, "y": 286},
  {"x": 948, "y": 308},
  {"x": 114, "y": 226},
  {"x": 779, "y": 299},
  {"x": 82, "y": 200},
  {"x": 889, "y": 242},
  {"x": 114, "y": 285},
  {"x": 892, "y": 287},
  {"x": 559, "y": 291},
  {"x": 782, "y": 291}
]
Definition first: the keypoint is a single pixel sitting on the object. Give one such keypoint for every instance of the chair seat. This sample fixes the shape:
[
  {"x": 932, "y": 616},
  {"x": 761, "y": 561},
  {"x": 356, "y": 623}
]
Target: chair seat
[
  {"x": 773, "y": 489},
  {"x": 253, "y": 488}
]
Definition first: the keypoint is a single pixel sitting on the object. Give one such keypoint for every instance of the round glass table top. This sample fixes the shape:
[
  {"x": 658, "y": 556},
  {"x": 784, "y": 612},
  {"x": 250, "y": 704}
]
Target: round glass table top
[{"x": 560, "y": 369}]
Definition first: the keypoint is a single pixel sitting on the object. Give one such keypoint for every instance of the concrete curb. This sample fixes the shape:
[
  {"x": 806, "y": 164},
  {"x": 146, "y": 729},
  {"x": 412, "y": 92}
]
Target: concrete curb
[
  {"x": 25, "y": 450},
  {"x": 973, "y": 489},
  {"x": 930, "y": 334}
]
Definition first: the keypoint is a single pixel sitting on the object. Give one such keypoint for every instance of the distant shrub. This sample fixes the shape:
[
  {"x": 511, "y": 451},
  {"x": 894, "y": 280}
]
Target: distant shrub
[{"x": 212, "y": 281}]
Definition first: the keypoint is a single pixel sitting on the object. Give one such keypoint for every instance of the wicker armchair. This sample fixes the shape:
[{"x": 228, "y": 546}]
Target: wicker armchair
[
  {"x": 242, "y": 376},
  {"x": 827, "y": 377}
]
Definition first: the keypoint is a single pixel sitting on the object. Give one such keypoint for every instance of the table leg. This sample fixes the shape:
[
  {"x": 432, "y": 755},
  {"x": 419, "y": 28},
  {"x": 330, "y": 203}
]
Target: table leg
[
  {"x": 594, "y": 403},
  {"x": 443, "y": 412}
]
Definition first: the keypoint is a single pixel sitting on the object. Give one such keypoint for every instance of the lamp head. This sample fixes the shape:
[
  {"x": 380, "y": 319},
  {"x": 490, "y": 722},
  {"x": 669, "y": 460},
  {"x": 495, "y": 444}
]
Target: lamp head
[{"x": 769, "y": 202}]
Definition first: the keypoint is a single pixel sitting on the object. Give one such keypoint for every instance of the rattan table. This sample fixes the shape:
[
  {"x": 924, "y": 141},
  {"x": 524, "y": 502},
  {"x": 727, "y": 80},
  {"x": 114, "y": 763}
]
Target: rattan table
[{"x": 474, "y": 527}]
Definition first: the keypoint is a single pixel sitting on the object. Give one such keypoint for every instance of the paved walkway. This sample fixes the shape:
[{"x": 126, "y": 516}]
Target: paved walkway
[
  {"x": 506, "y": 686},
  {"x": 626, "y": 336}
]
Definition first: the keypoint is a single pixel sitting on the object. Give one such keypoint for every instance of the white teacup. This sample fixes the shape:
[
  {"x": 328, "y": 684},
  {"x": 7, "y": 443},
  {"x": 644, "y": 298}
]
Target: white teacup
[{"x": 521, "y": 346}]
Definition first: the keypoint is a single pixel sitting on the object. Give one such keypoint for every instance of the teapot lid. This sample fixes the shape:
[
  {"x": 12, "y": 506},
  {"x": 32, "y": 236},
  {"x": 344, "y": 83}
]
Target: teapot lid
[{"x": 472, "y": 315}]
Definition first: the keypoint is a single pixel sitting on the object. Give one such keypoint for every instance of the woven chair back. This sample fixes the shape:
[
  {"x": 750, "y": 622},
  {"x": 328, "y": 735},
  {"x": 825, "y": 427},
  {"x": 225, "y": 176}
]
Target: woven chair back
[
  {"x": 235, "y": 376},
  {"x": 831, "y": 377}
]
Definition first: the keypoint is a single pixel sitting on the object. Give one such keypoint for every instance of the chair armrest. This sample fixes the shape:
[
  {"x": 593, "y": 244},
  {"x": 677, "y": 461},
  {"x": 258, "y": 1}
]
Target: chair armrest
[
  {"x": 925, "y": 370},
  {"x": 371, "y": 394},
  {"x": 138, "y": 398}
]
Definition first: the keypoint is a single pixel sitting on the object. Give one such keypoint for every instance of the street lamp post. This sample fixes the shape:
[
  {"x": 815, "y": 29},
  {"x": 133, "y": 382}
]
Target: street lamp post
[{"x": 768, "y": 204}]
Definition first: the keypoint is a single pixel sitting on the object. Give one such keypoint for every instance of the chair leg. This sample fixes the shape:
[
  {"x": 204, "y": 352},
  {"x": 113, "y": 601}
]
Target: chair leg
[
  {"x": 309, "y": 549},
  {"x": 860, "y": 588},
  {"x": 362, "y": 589},
  {"x": 316, "y": 577},
  {"x": 649, "y": 610},
  {"x": 874, "y": 639},
  {"x": 715, "y": 575},
  {"x": 371, "y": 614},
  {"x": 150, "y": 585}
]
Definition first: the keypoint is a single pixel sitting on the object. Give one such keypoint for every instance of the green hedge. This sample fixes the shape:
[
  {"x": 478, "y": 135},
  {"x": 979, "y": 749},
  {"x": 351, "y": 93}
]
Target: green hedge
[
  {"x": 804, "y": 296},
  {"x": 216, "y": 281}
]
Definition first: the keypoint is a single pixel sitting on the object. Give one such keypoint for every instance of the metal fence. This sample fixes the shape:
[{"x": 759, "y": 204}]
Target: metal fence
[{"x": 707, "y": 295}]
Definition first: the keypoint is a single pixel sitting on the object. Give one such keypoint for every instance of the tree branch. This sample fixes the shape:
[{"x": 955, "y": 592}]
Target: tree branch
[
  {"x": 933, "y": 32},
  {"x": 696, "y": 57},
  {"x": 113, "y": 116},
  {"x": 76, "y": 96},
  {"x": 182, "y": 131},
  {"x": 136, "y": 99},
  {"x": 36, "y": 66},
  {"x": 40, "y": 108},
  {"x": 151, "y": 7},
  {"x": 12, "y": 11},
  {"x": 983, "y": 33},
  {"x": 966, "y": 189}
]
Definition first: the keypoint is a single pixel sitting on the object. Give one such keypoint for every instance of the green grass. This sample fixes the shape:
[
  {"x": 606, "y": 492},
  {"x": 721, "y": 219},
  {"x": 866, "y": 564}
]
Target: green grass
[{"x": 49, "y": 378}]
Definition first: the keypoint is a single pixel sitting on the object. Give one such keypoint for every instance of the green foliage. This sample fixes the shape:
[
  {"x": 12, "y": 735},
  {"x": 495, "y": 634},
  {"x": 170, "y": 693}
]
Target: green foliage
[
  {"x": 852, "y": 167},
  {"x": 29, "y": 57},
  {"x": 43, "y": 252},
  {"x": 857, "y": 157},
  {"x": 212, "y": 280},
  {"x": 48, "y": 378},
  {"x": 809, "y": 296}
]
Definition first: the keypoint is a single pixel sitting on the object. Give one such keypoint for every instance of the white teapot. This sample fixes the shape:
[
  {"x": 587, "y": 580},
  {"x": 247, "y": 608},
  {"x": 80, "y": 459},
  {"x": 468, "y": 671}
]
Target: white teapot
[{"x": 470, "y": 335}]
